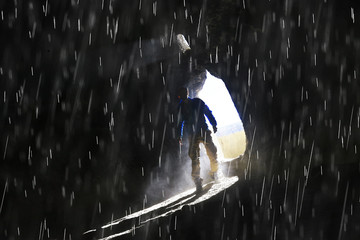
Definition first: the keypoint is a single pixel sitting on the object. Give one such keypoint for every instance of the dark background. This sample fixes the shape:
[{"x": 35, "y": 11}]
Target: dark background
[{"x": 87, "y": 94}]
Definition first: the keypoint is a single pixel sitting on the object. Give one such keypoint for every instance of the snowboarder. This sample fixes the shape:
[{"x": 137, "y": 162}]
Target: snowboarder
[{"x": 192, "y": 124}]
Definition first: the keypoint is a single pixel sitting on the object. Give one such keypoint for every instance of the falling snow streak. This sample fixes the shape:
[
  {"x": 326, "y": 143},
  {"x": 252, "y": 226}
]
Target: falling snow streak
[
  {"x": 262, "y": 191},
  {"x": 249, "y": 82},
  {"x": 38, "y": 87},
  {"x": 273, "y": 226},
  {"x": 76, "y": 106},
  {"x": 162, "y": 144},
  {"x": 309, "y": 164},
  {"x": 6, "y": 146},
  {"x": 90, "y": 102},
  {"x": 306, "y": 179},
  {"x": 247, "y": 171},
  {"x": 297, "y": 202},
  {"x": 43, "y": 228},
  {"x": 349, "y": 130},
  {"x": 3, "y": 196},
  {"x": 199, "y": 22},
  {"x": 121, "y": 74},
  {"x": 343, "y": 211},
  {"x": 286, "y": 187}
]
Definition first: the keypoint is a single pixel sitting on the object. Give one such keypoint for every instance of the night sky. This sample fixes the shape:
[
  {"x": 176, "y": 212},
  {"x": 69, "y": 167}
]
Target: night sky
[{"x": 87, "y": 104}]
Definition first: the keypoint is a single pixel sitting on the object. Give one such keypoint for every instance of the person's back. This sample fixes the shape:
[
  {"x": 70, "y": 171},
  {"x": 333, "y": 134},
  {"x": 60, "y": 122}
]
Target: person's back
[{"x": 193, "y": 113}]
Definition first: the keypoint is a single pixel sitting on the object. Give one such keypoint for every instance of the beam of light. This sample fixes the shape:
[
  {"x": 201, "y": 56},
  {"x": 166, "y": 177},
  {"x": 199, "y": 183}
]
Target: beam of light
[{"x": 169, "y": 206}]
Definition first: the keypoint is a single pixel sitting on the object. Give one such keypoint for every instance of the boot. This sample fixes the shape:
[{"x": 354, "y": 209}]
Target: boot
[
  {"x": 213, "y": 176},
  {"x": 216, "y": 176},
  {"x": 198, "y": 184}
]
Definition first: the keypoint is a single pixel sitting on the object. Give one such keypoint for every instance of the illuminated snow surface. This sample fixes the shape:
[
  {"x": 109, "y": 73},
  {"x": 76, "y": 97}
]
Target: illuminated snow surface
[{"x": 169, "y": 206}]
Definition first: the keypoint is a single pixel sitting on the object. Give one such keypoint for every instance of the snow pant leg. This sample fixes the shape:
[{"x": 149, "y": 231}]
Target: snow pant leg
[
  {"x": 194, "y": 154},
  {"x": 211, "y": 151}
]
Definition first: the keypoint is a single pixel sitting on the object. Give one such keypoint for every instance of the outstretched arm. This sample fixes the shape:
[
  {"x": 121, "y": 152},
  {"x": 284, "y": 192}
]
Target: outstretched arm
[{"x": 211, "y": 117}]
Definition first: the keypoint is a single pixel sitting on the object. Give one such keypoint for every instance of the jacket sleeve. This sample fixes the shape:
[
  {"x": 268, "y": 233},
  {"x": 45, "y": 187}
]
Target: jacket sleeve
[{"x": 209, "y": 115}]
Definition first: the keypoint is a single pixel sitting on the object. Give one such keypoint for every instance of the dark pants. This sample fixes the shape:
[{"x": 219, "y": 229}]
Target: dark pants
[{"x": 194, "y": 153}]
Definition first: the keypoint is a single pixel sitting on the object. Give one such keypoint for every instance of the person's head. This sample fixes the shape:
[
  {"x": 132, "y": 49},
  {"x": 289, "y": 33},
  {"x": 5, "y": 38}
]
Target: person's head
[{"x": 182, "y": 93}]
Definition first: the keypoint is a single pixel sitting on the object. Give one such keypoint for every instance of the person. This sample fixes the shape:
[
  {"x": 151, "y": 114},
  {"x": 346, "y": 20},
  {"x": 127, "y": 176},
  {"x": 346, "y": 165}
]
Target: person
[{"x": 192, "y": 124}]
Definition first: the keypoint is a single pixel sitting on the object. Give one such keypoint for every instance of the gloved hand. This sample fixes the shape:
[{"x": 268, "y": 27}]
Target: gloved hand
[{"x": 215, "y": 129}]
